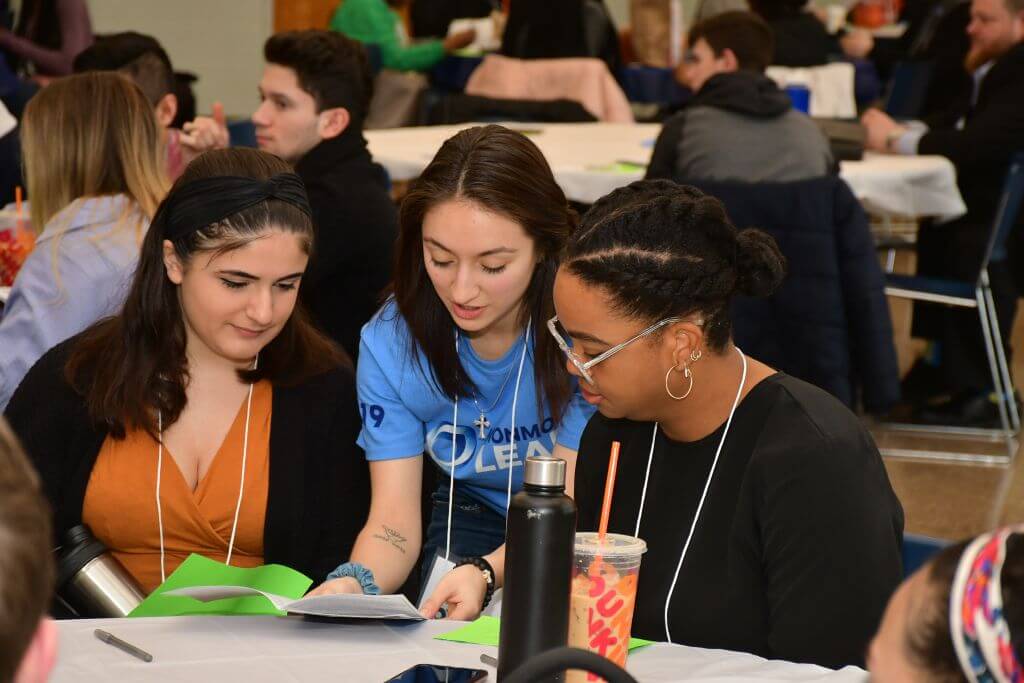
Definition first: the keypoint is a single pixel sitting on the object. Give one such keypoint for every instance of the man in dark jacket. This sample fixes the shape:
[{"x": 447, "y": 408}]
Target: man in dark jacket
[
  {"x": 979, "y": 135},
  {"x": 315, "y": 91},
  {"x": 739, "y": 125}
]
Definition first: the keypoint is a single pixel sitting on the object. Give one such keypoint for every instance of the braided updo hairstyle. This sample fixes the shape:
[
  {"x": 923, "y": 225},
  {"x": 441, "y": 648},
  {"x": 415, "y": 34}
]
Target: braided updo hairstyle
[{"x": 661, "y": 250}]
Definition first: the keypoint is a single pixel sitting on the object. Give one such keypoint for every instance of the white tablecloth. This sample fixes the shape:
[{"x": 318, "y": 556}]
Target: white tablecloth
[
  {"x": 581, "y": 156},
  {"x": 256, "y": 649}
]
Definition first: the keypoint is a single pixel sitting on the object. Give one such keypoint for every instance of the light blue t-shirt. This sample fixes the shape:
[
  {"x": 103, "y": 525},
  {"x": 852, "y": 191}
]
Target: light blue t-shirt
[
  {"x": 406, "y": 414},
  {"x": 64, "y": 287}
]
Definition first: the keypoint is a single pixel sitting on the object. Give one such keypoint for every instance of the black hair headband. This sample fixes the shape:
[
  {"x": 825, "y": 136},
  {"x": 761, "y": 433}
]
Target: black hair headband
[{"x": 200, "y": 203}]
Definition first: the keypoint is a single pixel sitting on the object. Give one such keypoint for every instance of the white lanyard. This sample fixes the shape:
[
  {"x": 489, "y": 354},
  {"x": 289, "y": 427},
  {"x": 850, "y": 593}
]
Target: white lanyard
[
  {"x": 512, "y": 439},
  {"x": 703, "y": 495},
  {"x": 241, "y": 481}
]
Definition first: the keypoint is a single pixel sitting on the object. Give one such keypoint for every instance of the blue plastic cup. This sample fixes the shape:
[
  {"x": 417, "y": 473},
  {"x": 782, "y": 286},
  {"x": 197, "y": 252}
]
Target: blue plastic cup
[{"x": 800, "y": 96}]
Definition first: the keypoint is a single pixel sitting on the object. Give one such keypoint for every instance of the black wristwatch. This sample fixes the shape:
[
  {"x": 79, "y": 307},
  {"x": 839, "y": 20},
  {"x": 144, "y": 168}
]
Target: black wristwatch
[{"x": 487, "y": 570}]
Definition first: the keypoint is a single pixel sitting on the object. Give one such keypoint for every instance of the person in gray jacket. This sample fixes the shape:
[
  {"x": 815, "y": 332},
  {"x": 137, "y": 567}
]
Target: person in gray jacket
[{"x": 739, "y": 125}]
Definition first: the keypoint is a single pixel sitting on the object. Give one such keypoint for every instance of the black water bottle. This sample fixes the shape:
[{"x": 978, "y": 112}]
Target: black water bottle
[{"x": 538, "y": 566}]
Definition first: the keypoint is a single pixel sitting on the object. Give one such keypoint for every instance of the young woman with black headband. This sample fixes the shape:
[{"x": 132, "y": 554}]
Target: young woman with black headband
[
  {"x": 770, "y": 523},
  {"x": 208, "y": 416}
]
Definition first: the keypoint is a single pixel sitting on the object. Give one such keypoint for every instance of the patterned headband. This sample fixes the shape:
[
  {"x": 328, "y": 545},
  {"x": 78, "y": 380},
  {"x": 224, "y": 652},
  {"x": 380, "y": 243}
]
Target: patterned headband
[{"x": 981, "y": 636}]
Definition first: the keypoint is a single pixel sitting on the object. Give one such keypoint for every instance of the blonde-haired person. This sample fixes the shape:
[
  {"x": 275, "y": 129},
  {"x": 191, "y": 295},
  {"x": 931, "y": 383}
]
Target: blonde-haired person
[{"x": 95, "y": 175}]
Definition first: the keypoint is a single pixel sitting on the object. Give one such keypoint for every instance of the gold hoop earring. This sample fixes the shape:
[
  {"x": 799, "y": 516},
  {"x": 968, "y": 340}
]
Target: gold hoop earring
[{"x": 687, "y": 374}]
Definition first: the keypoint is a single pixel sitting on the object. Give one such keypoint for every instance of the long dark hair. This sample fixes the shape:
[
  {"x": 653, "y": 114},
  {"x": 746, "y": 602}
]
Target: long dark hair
[
  {"x": 132, "y": 365},
  {"x": 502, "y": 171},
  {"x": 661, "y": 250}
]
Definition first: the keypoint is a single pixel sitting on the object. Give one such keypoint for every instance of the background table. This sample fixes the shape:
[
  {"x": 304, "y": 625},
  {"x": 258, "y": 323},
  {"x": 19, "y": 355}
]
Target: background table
[
  {"x": 256, "y": 649},
  {"x": 583, "y": 155}
]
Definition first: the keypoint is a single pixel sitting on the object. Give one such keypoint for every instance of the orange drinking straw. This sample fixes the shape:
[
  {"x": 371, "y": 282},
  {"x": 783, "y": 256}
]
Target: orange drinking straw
[
  {"x": 606, "y": 505},
  {"x": 18, "y": 205},
  {"x": 609, "y": 490}
]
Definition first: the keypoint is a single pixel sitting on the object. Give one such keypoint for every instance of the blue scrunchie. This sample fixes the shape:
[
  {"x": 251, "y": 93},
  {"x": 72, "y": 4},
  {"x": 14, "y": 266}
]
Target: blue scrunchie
[{"x": 358, "y": 572}]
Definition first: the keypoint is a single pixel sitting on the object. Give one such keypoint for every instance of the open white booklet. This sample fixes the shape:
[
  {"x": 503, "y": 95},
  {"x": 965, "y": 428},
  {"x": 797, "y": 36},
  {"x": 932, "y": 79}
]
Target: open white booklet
[{"x": 350, "y": 606}]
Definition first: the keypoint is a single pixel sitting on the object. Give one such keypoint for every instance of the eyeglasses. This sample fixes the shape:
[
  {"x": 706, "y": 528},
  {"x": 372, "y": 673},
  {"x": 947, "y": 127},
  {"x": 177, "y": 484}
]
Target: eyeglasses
[{"x": 584, "y": 366}]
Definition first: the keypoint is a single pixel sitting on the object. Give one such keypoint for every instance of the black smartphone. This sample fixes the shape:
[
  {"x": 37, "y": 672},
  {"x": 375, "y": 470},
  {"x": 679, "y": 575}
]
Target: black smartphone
[{"x": 431, "y": 673}]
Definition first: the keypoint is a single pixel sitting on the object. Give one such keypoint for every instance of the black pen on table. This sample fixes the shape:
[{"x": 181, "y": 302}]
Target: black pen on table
[{"x": 111, "y": 639}]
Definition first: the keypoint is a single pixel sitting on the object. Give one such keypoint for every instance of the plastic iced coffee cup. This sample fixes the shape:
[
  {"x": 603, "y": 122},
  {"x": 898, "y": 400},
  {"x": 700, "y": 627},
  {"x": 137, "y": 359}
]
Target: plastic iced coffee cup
[{"x": 603, "y": 596}]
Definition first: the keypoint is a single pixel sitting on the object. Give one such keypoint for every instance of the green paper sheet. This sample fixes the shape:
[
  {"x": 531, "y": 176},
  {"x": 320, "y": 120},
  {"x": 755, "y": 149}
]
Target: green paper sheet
[
  {"x": 619, "y": 167},
  {"x": 197, "y": 570},
  {"x": 485, "y": 631}
]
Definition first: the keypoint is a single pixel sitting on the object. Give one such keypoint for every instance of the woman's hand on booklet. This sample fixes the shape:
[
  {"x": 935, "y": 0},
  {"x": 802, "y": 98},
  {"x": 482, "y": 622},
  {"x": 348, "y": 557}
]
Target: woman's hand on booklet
[{"x": 463, "y": 589}]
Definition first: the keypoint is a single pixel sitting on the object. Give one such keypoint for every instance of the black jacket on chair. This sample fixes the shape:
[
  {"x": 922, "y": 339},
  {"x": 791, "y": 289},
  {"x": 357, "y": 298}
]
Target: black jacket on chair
[
  {"x": 828, "y": 324},
  {"x": 356, "y": 225},
  {"x": 319, "y": 489},
  {"x": 459, "y": 108}
]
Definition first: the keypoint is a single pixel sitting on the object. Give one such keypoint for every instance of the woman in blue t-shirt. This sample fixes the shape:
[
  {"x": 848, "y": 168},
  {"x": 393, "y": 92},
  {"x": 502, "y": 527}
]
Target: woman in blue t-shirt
[{"x": 458, "y": 366}]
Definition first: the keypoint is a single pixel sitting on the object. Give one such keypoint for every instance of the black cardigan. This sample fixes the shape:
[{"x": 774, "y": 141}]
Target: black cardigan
[{"x": 319, "y": 492}]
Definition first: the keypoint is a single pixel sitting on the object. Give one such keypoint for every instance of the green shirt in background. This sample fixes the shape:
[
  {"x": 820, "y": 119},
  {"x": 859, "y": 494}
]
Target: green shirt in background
[{"x": 372, "y": 21}]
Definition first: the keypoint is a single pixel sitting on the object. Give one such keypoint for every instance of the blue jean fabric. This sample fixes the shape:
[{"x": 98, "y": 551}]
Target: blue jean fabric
[{"x": 476, "y": 529}]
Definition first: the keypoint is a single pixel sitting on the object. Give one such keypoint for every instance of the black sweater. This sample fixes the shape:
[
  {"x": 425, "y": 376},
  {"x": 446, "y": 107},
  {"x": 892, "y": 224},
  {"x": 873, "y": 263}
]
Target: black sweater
[
  {"x": 356, "y": 225},
  {"x": 797, "y": 548},
  {"x": 318, "y": 496}
]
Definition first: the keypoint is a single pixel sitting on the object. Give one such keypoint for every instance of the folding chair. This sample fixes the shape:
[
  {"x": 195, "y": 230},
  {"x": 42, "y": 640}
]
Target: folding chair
[
  {"x": 242, "y": 133},
  {"x": 904, "y": 99},
  {"x": 974, "y": 295},
  {"x": 917, "y": 550},
  {"x": 907, "y": 89}
]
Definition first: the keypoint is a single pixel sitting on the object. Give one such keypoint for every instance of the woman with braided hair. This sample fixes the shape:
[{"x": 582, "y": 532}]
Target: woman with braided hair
[{"x": 769, "y": 518}]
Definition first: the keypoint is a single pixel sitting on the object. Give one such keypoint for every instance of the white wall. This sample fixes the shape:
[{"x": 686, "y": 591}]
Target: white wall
[
  {"x": 619, "y": 9},
  {"x": 221, "y": 41}
]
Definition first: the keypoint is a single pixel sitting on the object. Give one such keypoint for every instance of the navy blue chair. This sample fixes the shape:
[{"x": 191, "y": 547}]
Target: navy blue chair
[
  {"x": 653, "y": 85},
  {"x": 374, "y": 57},
  {"x": 242, "y": 133},
  {"x": 452, "y": 73},
  {"x": 978, "y": 294},
  {"x": 907, "y": 89},
  {"x": 917, "y": 550}
]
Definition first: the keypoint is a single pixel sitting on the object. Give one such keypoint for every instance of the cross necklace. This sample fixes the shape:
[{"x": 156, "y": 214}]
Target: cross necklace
[{"x": 482, "y": 423}]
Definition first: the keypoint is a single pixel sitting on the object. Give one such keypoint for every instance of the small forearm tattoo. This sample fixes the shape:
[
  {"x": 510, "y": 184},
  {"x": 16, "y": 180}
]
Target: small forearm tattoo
[{"x": 391, "y": 536}]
